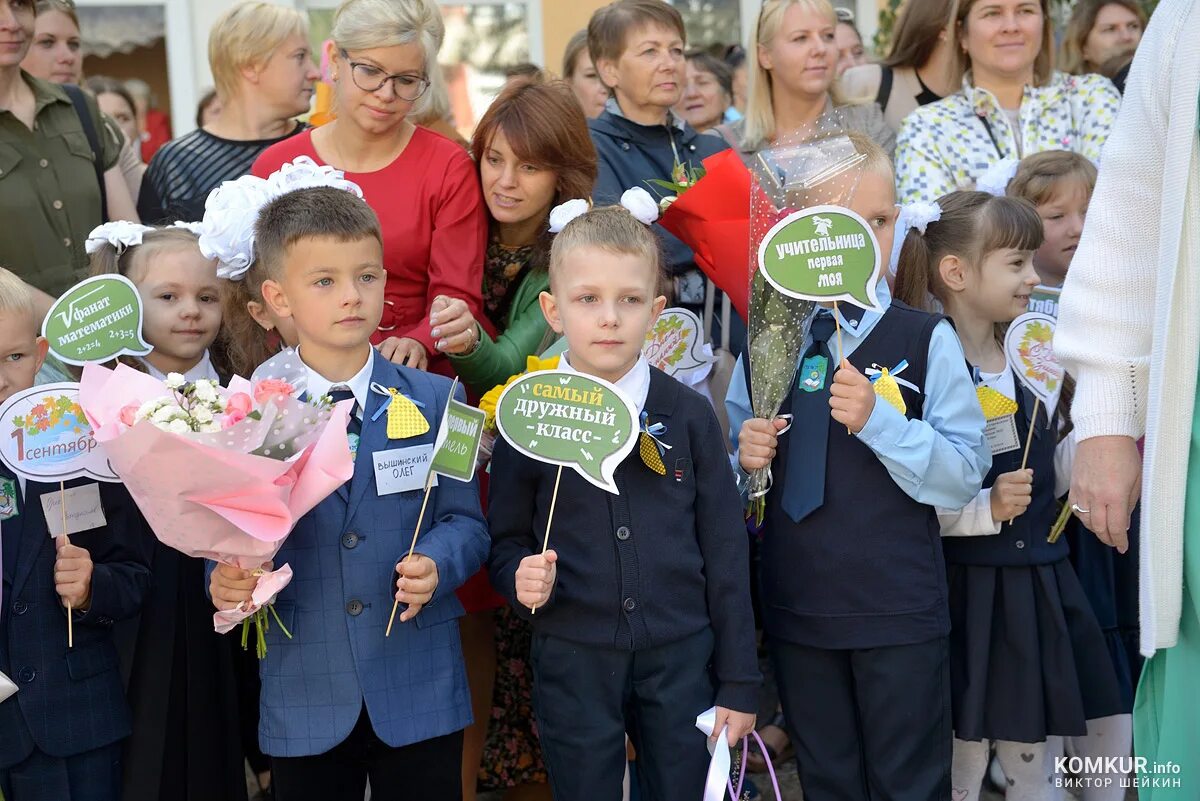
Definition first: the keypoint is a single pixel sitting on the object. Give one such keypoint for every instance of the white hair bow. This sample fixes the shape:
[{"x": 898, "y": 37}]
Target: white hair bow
[
  {"x": 121, "y": 234},
  {"x": 995, "y": 178},
  {"x": 227, "y": 230},
  {"x": 637, "y": 201},
  {"x": 915, "y": 215}
]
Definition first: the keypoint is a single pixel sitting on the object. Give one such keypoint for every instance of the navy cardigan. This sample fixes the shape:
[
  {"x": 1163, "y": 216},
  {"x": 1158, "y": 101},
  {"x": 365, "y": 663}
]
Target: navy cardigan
[
  {"x": 629, "y": 154},
  {"x": 664, "y": 559}
]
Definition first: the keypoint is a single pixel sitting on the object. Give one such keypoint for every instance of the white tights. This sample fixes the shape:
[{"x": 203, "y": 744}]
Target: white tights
[
  {"x": 1106, "y": 737},
  {"x": 1028, "y": 766}
]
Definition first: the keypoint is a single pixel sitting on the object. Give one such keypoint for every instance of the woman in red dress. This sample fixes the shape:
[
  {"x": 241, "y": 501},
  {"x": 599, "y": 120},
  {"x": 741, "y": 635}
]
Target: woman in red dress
[{"x": 423, "y": 186}]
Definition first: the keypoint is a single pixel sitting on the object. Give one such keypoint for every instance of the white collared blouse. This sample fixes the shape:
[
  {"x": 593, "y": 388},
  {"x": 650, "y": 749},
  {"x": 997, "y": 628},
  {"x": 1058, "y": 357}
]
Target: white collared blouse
[{"x": 947, "y": 145}]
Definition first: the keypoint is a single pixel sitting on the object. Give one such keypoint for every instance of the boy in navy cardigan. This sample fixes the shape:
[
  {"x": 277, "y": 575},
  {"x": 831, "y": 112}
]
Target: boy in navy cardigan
[
  {"x": 61, "y": 733},
  {"x": 643, "y": 604},
  {"x": 341, "y": 701},
  {"x": 853, "y": 585}
]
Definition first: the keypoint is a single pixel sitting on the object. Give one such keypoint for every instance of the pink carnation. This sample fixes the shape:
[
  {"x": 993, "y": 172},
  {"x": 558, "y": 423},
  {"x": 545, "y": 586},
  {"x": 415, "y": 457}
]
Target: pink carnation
[
  {"x": 128, "y": 414},
  {"x": 271, "y": 388}
]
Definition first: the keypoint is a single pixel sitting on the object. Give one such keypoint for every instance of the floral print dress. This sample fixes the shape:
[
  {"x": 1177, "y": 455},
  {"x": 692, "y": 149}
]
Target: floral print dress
[{"x": 512, "y": 755}]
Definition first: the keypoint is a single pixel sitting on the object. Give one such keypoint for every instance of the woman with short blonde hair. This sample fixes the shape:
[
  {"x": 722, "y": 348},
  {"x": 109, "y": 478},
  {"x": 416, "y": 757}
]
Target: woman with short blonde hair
[
  {"x": 265, "y": 77},
  {"x": 793, "y": 80},
  {"x": 423, "y": 186}
]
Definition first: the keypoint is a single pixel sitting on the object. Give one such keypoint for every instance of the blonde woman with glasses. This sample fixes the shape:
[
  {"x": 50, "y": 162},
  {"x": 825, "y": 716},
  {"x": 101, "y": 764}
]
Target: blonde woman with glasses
[{"x": 423, "y": 186}]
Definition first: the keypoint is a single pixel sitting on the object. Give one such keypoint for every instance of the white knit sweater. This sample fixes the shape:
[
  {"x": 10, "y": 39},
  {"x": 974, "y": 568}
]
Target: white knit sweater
[{"x": 1129, "y": 322}]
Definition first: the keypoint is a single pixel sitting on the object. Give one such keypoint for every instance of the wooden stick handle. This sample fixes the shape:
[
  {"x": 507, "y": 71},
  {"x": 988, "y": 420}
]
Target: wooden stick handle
[
  {"x": 420, "y": 518},
  {"x": 549, "y": 520},
  {"x": 841, "y": 353},
  {"x": 1037, "y": 404},
  {"x": 62, "y": 498}
]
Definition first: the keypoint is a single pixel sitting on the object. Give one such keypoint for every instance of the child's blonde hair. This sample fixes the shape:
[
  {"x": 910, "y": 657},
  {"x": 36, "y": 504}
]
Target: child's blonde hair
[
  {"x": 15, "y": 297},
  {"x": 840, "y": 189},
  {"x": 110, "y": 261},
  {"x": 1039, "y": 176},
  {"x": 613, "y": 229},
  {"x": 972, "y": 225}
]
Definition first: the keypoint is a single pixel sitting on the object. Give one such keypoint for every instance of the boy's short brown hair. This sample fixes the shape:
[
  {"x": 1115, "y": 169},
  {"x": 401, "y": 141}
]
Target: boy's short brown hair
[
  {"x": 317, "y": 212},
  {"x": 609, "y": 27},
  {"x": 613, "y": 229}
]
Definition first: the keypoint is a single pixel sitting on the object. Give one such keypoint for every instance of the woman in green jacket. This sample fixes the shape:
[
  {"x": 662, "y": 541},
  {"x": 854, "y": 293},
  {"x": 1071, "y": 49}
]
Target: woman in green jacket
[{"x": 534, "y": 152}]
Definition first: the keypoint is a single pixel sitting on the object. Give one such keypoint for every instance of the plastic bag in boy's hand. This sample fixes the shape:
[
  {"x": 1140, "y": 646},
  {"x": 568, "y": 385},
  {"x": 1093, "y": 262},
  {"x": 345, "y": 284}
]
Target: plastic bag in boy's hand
[
  {"x": 757, "y": 442},
  {"x": 851, "y": 397},
  {"x": 418, "y": 579},
  {"x": 535, "y": 578},
  {"x": 1012, "y": 494}
]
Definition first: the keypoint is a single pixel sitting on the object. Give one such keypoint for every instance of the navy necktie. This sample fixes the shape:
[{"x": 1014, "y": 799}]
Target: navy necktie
[
  {"x": 804, "y": 486},
  {"x": 354, "y": 424}
]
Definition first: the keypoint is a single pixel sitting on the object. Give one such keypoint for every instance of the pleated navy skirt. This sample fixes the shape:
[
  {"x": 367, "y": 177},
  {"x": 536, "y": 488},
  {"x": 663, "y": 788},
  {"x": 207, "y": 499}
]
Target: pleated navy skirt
[
  {"x": 1110, "y": 581},
  {"x": 1027, "y": 656}
]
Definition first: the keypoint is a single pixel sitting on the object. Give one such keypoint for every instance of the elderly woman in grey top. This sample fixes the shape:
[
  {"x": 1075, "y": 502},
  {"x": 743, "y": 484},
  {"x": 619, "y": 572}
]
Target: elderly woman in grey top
[{"x": 792, "y": 84}]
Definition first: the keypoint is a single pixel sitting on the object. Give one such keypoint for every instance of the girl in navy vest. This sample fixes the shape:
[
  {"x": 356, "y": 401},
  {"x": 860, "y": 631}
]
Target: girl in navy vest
[{"x": 1028, "y": 662}]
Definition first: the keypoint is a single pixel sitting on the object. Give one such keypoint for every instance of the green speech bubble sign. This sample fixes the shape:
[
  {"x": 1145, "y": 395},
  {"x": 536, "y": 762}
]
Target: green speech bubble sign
[
  {"x": 96, "y": 320},
  {"x": 823, "y": 253},
  {"x": 569, "y": 419},
  {"x": 457, "y": 445}
]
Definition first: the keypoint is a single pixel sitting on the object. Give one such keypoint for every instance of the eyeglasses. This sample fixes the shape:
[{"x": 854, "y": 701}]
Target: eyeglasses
[
  {"x": 370, "y": 78},
  {"x": 845, "y": 15}
]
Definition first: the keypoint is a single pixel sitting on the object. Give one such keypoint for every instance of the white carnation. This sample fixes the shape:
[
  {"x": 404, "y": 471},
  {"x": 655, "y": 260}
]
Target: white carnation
[
  {"x": 168, "y": 412},
  {"x": 147, "y": 409},
  {"x": 640, "y": 204},
  {"x": 178, "y": 426},
  {"x": 202, "y": 414},
  {"x": 175, "y": 381},
  {"x": 205, "y": 391},
  {"x": 210, "y": 428}
]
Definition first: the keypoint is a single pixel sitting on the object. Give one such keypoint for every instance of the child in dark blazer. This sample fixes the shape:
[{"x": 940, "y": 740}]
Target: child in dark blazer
[
  {"x": 61, "y": 733},
  {"x": 643, "y": 603}
]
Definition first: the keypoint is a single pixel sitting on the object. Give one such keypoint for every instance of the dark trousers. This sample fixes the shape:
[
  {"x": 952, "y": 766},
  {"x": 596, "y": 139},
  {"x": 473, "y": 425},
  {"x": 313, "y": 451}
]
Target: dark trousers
[
  {"x": 586, "y": 698},
  {"x": 430, "y": 770},
  {"x": 91, "y": 776},
  {"x": 871, "y": 724}
]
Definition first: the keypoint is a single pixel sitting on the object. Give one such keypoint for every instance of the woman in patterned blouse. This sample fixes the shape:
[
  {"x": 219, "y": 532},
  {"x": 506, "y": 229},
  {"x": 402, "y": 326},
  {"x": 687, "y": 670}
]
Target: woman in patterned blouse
[{"x": 1011, "y": 104}]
